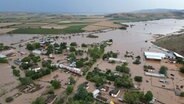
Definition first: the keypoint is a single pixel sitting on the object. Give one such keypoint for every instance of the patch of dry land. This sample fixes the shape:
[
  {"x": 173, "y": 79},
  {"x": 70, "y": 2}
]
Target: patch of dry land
[
  {"x": 101, "y": 26},
  {"x": 5, "y": 30},
  {"x": 173, "y": 42},
  {"x": 7, "y": 24}
]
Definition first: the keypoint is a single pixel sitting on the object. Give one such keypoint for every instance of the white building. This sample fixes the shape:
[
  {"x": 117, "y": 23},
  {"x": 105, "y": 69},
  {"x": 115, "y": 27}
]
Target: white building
[{"x": 154, "y": 55}]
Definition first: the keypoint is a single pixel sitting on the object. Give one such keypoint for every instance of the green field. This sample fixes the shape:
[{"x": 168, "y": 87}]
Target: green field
[
  {"x": 70, "y": 29},
  {"x": 174, "y": 43}
]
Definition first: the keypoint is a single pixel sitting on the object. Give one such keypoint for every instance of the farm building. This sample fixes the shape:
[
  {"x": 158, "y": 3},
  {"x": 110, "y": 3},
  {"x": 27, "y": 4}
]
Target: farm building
[
  {"x": 154, "y": 55},
  {"x": 155, "y": 74}
]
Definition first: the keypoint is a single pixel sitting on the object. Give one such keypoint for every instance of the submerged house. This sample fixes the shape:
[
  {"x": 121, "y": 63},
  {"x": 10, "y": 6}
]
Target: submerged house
[
  {"x": 117, "y": 60},
  {"x": 154, "y": 55},
  {"x": 71, "y": 69}
]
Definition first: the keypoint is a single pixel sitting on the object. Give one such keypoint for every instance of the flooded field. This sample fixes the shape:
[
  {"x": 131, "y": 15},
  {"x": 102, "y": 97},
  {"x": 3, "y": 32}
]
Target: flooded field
[{"x": 135, "y": 39}]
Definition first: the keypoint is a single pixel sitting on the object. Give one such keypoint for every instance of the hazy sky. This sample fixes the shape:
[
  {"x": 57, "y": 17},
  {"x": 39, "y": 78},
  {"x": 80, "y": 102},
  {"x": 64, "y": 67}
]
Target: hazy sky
[{"x": 87, "y": 6}]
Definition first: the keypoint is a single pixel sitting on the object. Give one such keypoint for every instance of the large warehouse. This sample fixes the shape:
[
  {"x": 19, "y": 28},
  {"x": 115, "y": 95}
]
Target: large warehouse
[{"x": 154, "y": 55}]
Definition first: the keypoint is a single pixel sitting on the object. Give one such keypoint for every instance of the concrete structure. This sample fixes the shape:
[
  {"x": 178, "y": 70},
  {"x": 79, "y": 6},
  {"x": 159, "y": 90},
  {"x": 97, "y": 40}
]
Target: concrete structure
[
  {"x": 117, "y": 60},
  {"x": 96, "y": 93},
  {"x": 155, "y": 74},
  {"x": 154, "y": 55},
  {"x": 74, "y": 70}
]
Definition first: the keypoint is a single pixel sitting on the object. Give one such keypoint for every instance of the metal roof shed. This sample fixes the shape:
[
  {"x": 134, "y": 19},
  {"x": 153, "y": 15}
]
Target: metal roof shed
[{"x": 154, "y": 55}]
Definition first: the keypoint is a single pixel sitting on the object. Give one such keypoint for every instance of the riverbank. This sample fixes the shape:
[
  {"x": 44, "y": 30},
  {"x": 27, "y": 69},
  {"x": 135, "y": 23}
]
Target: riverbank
[{"x": 172, "y": 42}]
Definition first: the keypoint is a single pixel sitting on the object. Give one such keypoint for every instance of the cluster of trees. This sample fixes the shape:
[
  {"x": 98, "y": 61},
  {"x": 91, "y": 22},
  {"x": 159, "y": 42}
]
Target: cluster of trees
[
  {"x": 9, "y": 99},
  {"x": 123, "y": 68},
  {"x": 110, "y": 54},
  {"x": 123, "y": 81},
  {"x": 42, "y": 72},
  {"x": 31, "y": 58},
  {"x": 101, "y": 78},
  {"x": 180, "y": 60},
  {"x": 138, "y": 78},
  {"x": 137, "y": 60},
  {"x": 69, "y": 88},
  {"x": 163, "y": 70},
  {"x": 96, "y": 52},
  {"x": 84, "y": 45},
  {"x": 182, "y": 69},
  {"x": 92, "y": 36},
  {"x": 55, "y": 84},
  {"x": 146, "y": 67},
  {"x": 33, "y": 46},
  {"x": 25, "y": 80},
  {"x": 29, "y": 61},
  {"x": 39, "y": 100},
  {"x": 47, "y": 69},
  {"x": 81, "y": 97},
  {"x": 16, "y": 73},
  {"x": 3, "y": 60},
  {"x": 72, "y": 49},
  {"x": 136, "y": 97},
  {"x": 98, "y": 77},
  {"x": 3, "y": 47},
  {"x": 73, "y": 44},
  {"x": 82, "y": 62}
]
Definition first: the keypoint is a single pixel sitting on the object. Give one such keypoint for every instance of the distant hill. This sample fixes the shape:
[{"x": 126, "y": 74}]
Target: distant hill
[
  {"x": 144, "y": 15},
  {"x": 158, "y": 11}
]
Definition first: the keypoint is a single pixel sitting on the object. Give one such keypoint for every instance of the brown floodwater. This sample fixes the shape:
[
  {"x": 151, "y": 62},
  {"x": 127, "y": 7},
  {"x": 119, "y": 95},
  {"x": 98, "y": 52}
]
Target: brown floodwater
[{"x": 132, "y": 40}]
